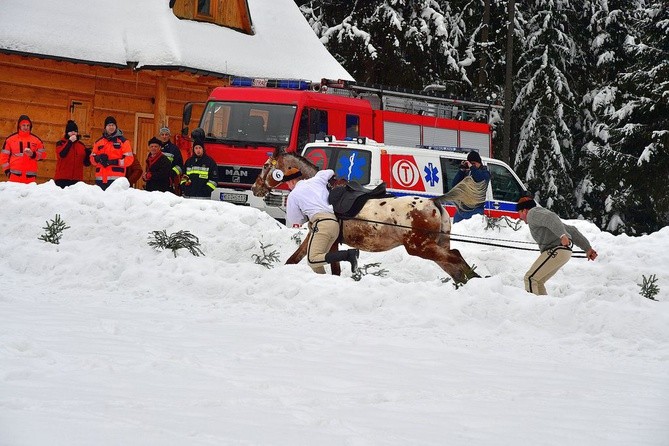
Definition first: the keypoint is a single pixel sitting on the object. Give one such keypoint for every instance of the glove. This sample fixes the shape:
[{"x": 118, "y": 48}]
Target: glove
[
  {"x": 104, "y": 159},
  {"x": 87, "y": 158},
  {"x": 112, "y": 162},
  {"x": 185, "y": 180},
  {"x": 7, "y": 173}
]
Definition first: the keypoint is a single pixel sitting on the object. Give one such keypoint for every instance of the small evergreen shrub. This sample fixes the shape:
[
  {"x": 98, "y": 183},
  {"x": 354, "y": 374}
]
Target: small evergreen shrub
[
  {"x": 54, "y": 230},
  {"x": 267, "y": 259},
  {"x": 365, "y": 269},
  {"x": 179, "y": 240},
  {"x": 649, "y": 289},
  {"x": 297, "y": 238},
  {"x": 496, "y": 223}
]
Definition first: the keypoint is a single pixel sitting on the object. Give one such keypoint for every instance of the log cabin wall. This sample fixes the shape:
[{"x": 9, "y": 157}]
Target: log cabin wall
[{"x": 50, "y": 92}]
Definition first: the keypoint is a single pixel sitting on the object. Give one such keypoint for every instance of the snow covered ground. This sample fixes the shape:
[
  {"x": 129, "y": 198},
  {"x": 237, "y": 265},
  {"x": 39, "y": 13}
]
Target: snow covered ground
[{"x": 106, "y": 341}]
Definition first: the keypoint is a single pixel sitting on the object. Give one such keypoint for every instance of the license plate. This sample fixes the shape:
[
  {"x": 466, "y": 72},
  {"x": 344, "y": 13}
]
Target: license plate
[{"x": 234, "y": 198}]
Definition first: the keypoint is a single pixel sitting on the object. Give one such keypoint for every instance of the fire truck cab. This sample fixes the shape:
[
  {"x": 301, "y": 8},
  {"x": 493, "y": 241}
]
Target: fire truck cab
[{"x": 246, "y": 121}]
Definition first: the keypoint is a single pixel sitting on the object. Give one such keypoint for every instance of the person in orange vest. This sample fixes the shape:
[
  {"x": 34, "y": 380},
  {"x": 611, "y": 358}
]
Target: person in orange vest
[
  {"x": 21, "y": 152},
  {"x": 71, "y": 157},
  {"x": 111, "y": 154}
]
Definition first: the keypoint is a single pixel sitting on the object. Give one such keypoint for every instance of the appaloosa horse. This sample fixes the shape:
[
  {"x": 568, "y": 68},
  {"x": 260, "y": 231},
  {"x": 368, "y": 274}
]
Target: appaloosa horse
[{"x": 421, "y": 225}]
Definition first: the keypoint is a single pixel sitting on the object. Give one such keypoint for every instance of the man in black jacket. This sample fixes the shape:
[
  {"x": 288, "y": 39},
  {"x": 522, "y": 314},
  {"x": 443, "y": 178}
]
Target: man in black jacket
[
  {"x": 172, "y": 152},
  {"x": 200, "y": 173}
]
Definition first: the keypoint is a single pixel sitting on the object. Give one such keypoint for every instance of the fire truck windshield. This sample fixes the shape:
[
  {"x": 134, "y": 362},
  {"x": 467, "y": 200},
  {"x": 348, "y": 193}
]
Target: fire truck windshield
[{"x": 248, "y": 123}]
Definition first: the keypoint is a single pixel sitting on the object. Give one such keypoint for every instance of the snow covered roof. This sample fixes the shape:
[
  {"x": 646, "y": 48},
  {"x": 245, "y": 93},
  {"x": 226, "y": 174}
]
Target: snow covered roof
[{"x": 147, "y": 33}]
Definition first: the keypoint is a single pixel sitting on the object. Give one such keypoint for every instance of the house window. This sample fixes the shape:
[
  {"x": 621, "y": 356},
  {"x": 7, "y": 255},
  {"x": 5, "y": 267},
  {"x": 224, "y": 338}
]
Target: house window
[
  {"x": 204, "y": 8},
  {"x": 229, "y": 13}
]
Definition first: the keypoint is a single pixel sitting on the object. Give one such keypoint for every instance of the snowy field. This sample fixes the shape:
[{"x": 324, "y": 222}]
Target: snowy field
[{"x": 106, "y": 341}]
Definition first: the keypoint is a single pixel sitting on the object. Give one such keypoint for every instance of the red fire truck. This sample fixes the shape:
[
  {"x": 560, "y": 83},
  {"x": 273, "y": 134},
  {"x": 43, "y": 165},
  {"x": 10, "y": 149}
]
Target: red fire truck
[{"x": 245, "y": 121}]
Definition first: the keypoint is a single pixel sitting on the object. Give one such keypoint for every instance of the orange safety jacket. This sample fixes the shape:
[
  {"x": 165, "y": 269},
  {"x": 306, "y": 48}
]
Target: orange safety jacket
[
  {"x": 21, "y": 168},
  {"x": 118, "y": 153}
]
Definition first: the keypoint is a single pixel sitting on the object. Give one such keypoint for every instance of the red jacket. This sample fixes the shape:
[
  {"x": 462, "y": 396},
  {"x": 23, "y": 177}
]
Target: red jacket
[
  {"x": 21, "y": 168},
  {"x": 111, "y": 155},
  {"x": 71, "y": 157}
]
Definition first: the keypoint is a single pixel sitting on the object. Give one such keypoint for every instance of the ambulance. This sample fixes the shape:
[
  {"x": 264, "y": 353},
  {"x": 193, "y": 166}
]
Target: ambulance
[{"x": 420, "y": 171}]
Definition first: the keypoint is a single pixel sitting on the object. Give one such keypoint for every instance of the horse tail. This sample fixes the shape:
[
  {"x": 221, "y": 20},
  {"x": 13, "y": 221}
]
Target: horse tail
[{"x": 466, "y": 195}]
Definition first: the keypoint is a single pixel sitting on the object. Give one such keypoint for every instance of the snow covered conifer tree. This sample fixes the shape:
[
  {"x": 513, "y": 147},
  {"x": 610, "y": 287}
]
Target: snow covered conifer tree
[
  {"x": 546, "y": 104},
  {"x": 408, "y": 43},
  {"x": 628, "y": 151}
]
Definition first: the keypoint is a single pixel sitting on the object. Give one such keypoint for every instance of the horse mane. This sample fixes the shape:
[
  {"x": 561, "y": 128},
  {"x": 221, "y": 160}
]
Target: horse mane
[{"x": 302, "y": 160}]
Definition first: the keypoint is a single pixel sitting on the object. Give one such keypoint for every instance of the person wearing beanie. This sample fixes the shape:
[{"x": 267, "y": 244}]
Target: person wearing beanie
[
  {"x": 71, "y": 157},
  {"x": 20, "y": 153},
  {"x": 158, "y": 168},
  {"x": 308, "y": 201},
  {"x": 555, "y": 240},
  {"x": 111, "y": 155},
  {"x": 200, "y": 176},
  {"x": 172, "y": 152},
  {"x": 474, "y": 171}
]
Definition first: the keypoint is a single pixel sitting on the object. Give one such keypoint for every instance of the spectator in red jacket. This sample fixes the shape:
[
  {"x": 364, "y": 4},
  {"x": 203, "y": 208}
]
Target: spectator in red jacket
[
  {"x": 111, "y": 154},
  {"x": 21, "y": 152},
  {"x": 71, "y": 157}
]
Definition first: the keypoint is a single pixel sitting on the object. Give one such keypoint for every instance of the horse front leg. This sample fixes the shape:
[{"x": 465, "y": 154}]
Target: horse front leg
[
  {"x": 301, "y": 251},
  {"x": 450, "y": 260}
]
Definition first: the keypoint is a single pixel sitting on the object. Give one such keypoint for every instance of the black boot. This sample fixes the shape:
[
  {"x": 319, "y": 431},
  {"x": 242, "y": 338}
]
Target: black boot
[{"x": 350, "y": 255}]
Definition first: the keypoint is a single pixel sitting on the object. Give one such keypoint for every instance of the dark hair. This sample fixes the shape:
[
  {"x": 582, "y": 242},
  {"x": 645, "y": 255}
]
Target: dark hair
[
  {"x": 474, "y": 157},
  {"x": 525, "y": 203}
]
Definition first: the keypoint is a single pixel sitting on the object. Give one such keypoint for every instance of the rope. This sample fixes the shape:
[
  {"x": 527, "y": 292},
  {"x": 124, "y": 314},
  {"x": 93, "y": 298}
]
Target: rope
[{"x": 576, "y": 254}]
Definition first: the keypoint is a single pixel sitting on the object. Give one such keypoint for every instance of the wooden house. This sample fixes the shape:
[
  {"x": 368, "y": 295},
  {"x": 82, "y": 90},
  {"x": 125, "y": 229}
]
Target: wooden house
[{"x": 141, "y": 62}]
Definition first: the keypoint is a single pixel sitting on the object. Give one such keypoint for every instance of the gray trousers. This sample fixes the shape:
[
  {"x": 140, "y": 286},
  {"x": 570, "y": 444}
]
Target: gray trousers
[
  {"x": 324, "y": 232},
  {"x": 545, "y": 267}
]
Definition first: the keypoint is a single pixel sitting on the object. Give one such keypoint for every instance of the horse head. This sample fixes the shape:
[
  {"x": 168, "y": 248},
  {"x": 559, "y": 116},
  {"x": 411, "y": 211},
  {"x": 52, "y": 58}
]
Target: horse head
[
  {"x": 281, "y": 161},
  {"x": 260, "y": 187}
]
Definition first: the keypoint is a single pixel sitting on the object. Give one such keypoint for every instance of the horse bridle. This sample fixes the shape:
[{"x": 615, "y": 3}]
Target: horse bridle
[{"x": 271, "y": 163}]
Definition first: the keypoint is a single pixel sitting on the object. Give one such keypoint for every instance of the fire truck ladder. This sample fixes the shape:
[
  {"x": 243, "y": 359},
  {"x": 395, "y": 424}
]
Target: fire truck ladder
[{"x": 429, "y": 102}]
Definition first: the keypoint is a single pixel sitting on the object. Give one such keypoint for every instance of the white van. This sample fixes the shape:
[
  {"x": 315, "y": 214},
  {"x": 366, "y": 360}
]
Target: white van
[{"x": 426, "y": 172}]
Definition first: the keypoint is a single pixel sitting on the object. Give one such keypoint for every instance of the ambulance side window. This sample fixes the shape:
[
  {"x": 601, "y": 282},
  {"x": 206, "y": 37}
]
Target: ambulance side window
[
  {"x": 505, "y": 187},
  {"x": 449, "y": 168}
]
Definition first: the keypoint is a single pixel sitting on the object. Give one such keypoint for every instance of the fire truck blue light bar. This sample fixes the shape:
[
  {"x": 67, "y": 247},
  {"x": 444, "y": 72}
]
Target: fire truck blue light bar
[{"x": 291, "y": 84}]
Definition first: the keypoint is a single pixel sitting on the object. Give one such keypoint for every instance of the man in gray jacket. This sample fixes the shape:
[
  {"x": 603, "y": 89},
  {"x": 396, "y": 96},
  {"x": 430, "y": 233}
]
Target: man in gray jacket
[{"x": 555, "y": 240}]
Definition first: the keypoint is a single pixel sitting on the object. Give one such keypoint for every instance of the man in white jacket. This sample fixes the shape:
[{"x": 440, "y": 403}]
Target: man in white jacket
[{"x": 308, "y": 201}]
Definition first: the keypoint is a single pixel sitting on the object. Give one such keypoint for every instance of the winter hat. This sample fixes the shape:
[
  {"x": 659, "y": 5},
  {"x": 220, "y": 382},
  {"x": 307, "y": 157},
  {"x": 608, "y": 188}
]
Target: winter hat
[
  {"x": 198, "y": 142},
  {"x": 474, "y": 157},
  {"x": 278, "y": 176},
  {"x": 71, "y": 126},
  {"x": 22, "y": 119},
  {"x": 155, "y": 140},
  {"x": 110, "y": 120},
  {"x": 164, "y": 130},
  {"x": 525, "y": 203}
]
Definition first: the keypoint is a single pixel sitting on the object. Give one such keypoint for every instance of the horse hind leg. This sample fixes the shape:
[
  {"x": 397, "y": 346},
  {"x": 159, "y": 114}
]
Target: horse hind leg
[{"x": 450, "y": 260}]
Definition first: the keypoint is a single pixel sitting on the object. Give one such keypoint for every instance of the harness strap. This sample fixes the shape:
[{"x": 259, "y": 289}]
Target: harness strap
[{"x": 577, "y": 254}]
